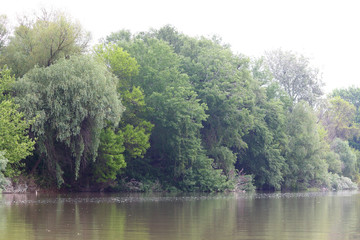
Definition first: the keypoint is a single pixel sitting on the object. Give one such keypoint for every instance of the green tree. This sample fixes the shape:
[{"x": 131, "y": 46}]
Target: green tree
[
  {"x": 134, "y": 129},
  {"x": 295, "y": 75},
  {"x": 72, "y": 101},
  {"x": 176, "y": 113},
  {"x": 267, "y": 139},
  {"x": 223, "y": 82},
  {"x": 120, "y": 63},
  {"x": 351, "y": 95},
  {"x": 42, "y": 41},
  {"x": 306, "y": 164},
  {"x": 339, "y": 119},
  {"x": 111, "y": 158},
  {"x": 14, "y": 140},
  {"x": 266, "y": 142},
  {"x": 347, "y": 157}
]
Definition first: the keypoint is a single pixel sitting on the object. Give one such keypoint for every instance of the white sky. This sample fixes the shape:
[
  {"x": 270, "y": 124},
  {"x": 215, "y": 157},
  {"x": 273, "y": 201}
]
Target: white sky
[{"x": 326, "y": 31}]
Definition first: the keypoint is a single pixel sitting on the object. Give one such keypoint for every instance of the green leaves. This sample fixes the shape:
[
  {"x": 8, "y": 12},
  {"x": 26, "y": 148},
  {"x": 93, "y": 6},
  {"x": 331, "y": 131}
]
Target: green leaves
[
  {"x": 304, "y": 156},
  {"x": 14, "y": 140},
  {"x": 120, "y": 63},
  {"x": 72, "y": 100},
  {"x": 111, "y": 158},
  {"x": 50, "y": 37}
]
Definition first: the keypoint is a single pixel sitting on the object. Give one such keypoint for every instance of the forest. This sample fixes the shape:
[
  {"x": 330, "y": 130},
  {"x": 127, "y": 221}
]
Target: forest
[{"x": 163, "y": 111}]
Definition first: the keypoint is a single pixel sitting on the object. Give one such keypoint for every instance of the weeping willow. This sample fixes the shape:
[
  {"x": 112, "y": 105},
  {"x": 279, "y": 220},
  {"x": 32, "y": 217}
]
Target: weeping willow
[{"x": 72, "y": 101}]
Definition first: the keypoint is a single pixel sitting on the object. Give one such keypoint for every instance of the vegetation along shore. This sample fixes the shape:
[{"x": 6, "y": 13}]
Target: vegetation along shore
[{"x": 163, "y": 111}]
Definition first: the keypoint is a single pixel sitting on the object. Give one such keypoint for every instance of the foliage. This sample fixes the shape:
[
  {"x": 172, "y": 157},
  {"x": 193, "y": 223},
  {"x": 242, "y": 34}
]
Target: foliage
[
  {"x": 195, "y": 116},
  {"x": 244, "y": 183},
  {"x": 266, "y": 142},
  {"x": 120, "y": 62},
  {"x": 43, "y": 40},
  {"x": 351, "y": 95},
  {"x": 341, "y": 183},
  {"x": 347, "y": 157},
  {"x": 304, "y": 157},
  {"x": 110, "y": 159},
  {"x": 3, "y": 162},
  {"x": 202, "y": 177},
  {"x": 295, "y": 75},
  {"x": 72, "y": 100},
  {"x": 223, "y": 82},
  {"x": 13, "y": 128},
  {"x": 175, "y": 111},
  {"x": 339, "y": 118},
  {"x": 134, "y": 129}
]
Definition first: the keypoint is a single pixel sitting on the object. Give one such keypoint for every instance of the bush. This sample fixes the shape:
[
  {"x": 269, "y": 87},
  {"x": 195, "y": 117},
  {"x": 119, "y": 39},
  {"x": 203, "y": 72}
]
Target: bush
[{"x": 341, "y": 183}]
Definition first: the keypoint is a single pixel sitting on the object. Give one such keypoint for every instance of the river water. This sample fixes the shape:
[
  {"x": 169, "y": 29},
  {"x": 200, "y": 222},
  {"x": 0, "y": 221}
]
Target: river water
[{"x": 315, "y": 215}]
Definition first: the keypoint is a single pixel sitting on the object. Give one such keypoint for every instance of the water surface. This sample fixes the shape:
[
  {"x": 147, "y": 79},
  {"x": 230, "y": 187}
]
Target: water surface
[{"x": 321, "y": 215}]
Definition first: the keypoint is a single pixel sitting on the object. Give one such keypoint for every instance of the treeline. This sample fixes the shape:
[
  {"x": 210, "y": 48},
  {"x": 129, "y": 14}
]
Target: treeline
[{"x": 160, "y": 110}]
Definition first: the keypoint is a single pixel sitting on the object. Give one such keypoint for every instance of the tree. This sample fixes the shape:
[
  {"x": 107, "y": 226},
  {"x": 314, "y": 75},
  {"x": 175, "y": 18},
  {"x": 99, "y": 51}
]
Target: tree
[
  {"x": 305, "y": 161},
  {"x": 42, "y": 41},
  {"x": 119, "y": 62},
  {"x": 339, "y": 119},
  {"x": 347, "y": 157},
  {"x": 72, "y": 101},
  {"x": 351, "y": 95},
  {"x": 133, "y": 128},
  {"x": 266, "y": 141},
  {"x": 223, "y": 82},
  {"x": 294, "y": 74},
  {"x": 176, "y": 113},
  {"x": 15, "y": 143},
  {"x": 111, "y": 158}
]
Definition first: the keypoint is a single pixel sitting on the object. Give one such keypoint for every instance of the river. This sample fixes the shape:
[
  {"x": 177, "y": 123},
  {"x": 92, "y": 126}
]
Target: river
[{"x": 277, "y": 216}]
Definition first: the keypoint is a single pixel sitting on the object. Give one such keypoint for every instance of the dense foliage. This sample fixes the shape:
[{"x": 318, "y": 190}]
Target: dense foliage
[
  {"x": 72, "y": 100},
  {"x": 161, "y": 110},
  {"x": 15, "y": 143}
]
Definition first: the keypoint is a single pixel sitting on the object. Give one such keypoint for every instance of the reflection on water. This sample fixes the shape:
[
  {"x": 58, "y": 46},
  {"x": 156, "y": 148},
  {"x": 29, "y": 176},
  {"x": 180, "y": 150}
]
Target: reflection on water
[{"x": 199, "y": 216}]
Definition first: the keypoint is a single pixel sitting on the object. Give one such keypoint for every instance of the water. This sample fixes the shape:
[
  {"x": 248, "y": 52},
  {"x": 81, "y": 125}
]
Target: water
[{"x": 200, "y": 216}]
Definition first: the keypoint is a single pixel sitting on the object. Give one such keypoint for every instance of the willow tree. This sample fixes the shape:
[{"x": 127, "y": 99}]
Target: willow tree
[
  {"x": 43, "y": 40},
  {"x": 72, "y": 101}
]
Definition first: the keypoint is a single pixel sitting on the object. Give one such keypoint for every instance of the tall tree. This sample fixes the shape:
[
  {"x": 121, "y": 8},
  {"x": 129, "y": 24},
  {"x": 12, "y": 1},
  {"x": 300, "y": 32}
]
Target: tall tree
[
  {"x": 72, "y": 101},
  {"x": 223, "y": 82},
  {"x": 306, "y": 164},
  {"x": 176, "y": 113},
  {"x": 295, "y": 75},
  {"x": 42, "y": 41},
  {"x": 133, "y": 128}
]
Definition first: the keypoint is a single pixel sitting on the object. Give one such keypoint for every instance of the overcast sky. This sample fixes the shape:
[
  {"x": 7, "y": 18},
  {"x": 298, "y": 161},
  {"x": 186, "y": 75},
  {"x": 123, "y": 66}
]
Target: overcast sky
[{"x": 325, "y": 31}]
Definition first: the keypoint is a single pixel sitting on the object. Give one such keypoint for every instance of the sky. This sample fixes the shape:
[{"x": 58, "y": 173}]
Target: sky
[{"x": 325, "y": 31}]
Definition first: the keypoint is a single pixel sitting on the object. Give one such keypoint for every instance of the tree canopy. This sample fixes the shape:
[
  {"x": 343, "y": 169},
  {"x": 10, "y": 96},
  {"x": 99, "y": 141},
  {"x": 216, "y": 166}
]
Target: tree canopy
[
  {"x": 162, "y": 110},
  {"x": 295, "y": 75},
  {"x": 43, "y": 40},
  {"x": 72, "y": 101}
]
